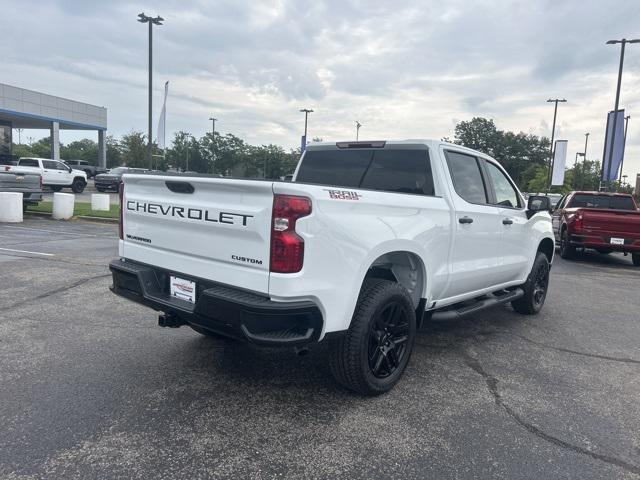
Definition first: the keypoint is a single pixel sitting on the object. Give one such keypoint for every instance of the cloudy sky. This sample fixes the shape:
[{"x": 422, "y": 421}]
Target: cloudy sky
[{"x": 404, "y": 69}]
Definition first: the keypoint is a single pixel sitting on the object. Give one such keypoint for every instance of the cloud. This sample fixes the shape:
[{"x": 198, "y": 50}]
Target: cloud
[{"x": 404, "y": 69}]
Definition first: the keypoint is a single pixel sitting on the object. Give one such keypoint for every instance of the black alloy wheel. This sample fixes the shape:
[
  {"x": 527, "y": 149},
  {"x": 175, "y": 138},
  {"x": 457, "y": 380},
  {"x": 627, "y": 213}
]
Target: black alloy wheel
[{"x": 388, "y": 337}]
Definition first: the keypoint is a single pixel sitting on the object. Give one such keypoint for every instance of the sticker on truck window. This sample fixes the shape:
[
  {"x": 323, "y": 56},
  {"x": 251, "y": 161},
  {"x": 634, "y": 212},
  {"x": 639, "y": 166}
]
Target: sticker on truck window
[{"x": 342, "y": 194}]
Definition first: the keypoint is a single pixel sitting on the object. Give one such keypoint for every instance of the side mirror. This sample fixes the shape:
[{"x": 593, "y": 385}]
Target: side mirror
[
  {"x": 69, "y": 168},
  {"x": 537, "y": 203}
]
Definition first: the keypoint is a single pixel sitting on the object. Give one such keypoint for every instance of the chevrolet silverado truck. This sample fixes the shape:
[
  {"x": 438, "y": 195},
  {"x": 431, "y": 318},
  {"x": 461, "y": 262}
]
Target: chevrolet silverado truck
[
  {"x": 366, "y": 241},
  {"x": 605, "y": 222},
  {"x": 55, "y": 174},
  {"x": 27, "y": 183}
]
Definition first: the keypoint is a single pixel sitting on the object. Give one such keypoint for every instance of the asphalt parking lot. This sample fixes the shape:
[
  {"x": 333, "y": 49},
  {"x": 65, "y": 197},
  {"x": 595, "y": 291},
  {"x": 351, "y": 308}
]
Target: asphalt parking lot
[{"x": 91, "y": 387}]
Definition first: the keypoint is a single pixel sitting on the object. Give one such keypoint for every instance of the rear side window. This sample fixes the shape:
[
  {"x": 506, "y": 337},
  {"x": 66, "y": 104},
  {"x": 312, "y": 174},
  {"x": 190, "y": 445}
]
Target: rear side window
[
  {"x": 28, "y": 162},
  {"x": 466, "y": 176},
  {"x": 399, "y": 171}
]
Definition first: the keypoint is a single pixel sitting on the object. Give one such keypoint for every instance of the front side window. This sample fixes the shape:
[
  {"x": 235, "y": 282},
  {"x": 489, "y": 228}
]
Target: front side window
[
  {"x": 506, "y": 195},
  {"x": 50, "y": 164},
  {"x": 466, "y": 176},
  {"x": 62, "y": 166}
]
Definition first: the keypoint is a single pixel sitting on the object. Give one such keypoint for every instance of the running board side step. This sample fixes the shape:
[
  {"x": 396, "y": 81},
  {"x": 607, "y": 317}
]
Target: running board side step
[{"x": 498, "y": 298}]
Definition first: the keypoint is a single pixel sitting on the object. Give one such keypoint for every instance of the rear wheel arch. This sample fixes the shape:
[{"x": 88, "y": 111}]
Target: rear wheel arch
[{"x": 403, "y": 267}]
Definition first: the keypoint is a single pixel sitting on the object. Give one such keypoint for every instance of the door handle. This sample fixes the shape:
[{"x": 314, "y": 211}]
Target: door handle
[
  {"x": 507, "y": 221},
  {"x": 465, "y": 220}
]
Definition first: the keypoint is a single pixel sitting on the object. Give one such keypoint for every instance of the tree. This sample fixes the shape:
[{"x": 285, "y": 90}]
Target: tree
[
  {"x": 518, "y": 153},
  {"x": 133, "y": 147}
]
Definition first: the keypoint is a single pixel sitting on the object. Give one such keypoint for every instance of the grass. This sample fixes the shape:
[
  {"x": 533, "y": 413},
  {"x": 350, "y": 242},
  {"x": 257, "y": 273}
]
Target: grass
[{"x": 80, "y": 210}]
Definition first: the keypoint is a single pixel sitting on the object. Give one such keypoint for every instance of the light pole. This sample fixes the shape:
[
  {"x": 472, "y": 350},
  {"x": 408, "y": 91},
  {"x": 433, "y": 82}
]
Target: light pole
[
  {"x": 624, "y": 180},
  {"x": 622, "y": 43},
  {"x": 624, "y": 144},
  {"x": 358, "y": 125},
  {"x": 553, "y": 132},
  {"x": 213, "y": 143},
  {"x": 306, "y": 112},
  {"x": 575, "y": 169},
  {"x": 142, "y": 18}
]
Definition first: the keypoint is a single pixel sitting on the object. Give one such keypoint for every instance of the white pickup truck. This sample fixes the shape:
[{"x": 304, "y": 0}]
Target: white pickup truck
[
  {"x": 55, "y": 174},
  {"x": 369, "y": 239}
]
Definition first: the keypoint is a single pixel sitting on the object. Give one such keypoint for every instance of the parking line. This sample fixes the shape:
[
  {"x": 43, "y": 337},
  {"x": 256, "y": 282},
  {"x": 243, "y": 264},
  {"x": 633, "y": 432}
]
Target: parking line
[
  {"x": 79, "y": 234},
  {"x": 27, "y": 251}
]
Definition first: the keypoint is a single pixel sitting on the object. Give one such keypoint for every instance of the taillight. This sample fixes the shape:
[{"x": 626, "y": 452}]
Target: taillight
[
  {"x": 121, "y": 223},
  {"x": 577, "y": 221},
  {"x": 287, "y": 247}
]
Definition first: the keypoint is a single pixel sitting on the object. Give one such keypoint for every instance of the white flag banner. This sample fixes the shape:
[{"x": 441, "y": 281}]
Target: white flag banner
[
  {"x": 163, "y": 119},
  {"x": 559, "y": 162}
]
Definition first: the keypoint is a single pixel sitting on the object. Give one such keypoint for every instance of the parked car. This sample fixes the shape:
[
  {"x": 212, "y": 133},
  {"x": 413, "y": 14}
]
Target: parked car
[
  {"x": 606, "y": 222},
  {"x": 55, "y": 174},
  {"x": 368, "y": 239},
  {"x": 27, "y": 183},
  {"x": 111, "y": 180},
  {"x": 86, "y": 167}
]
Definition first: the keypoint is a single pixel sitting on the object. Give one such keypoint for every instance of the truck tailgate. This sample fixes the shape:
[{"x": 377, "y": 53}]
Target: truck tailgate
[
  {"x": 214, "y": 228},
  {"x": 612, "y": 221}
]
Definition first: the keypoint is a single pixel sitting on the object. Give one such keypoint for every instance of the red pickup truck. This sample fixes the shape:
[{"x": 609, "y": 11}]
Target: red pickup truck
[{"x": 606, "y": 222}]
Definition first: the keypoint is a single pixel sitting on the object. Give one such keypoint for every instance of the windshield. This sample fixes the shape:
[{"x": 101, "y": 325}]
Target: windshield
[
  {"x": 586, "y": 200},
  {"x": 119, "y": 170}
]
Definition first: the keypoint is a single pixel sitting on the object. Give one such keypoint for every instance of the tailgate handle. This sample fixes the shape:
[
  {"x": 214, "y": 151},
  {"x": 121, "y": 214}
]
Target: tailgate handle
[{"x": 179, "y": 187}]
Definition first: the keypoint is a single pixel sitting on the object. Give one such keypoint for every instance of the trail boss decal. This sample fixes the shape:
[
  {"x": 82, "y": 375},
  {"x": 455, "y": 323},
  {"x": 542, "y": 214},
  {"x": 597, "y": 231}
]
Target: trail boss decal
[
  {"x": 229, "y": 218},
  {"x": 342, "y": 194}
]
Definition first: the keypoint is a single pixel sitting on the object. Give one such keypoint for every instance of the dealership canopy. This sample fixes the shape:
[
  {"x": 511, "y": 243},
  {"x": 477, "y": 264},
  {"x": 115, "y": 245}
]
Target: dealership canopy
[{"x": 27, "y": 109}]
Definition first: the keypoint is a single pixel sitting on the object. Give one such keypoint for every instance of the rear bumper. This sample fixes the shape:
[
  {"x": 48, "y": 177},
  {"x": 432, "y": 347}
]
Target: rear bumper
[
  {"x": 631, "y": 245},
  {"x": 222, "y": 309}
]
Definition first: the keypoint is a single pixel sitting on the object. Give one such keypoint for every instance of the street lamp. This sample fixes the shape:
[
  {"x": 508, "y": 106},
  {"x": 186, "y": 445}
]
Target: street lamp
[
  {"x": 553, "y": 132},
  {"x": 213, "y": 143},
  {"x": 142, "y": 18},
  {"x": 575, "y": 169},
  {"x": 306, "y": 112},
  {"x": 622, "y": 43},
  {"x": 358, "y": 125}
]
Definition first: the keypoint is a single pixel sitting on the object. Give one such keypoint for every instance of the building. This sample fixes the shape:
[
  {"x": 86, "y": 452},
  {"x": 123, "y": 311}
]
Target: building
[{"x": 21, "y": 108}]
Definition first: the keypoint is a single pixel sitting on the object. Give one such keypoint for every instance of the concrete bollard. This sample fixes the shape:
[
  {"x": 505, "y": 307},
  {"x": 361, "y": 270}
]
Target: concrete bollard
[
  {"x": 11, "y": 207},
  {"x": 63, "y": 204},
  {"x": 100, "y": 202}
]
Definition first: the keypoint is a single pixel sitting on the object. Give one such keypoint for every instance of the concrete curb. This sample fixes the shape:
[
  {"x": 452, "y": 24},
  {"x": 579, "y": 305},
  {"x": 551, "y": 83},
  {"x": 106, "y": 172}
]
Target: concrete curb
[{"x": 79, "y": 217}]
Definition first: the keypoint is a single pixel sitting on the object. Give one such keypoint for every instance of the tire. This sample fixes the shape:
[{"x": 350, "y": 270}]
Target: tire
[
  {"x": 56, "y": 188},
  {"x": 635, "y": 258},
  {"x": 567, "y": 251},
  {"x": 372, "y": 355},
  {"x": 78, "y": 185},
  {"x": 535, "y": 289},
  {"x": 206, "y": 333}
]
